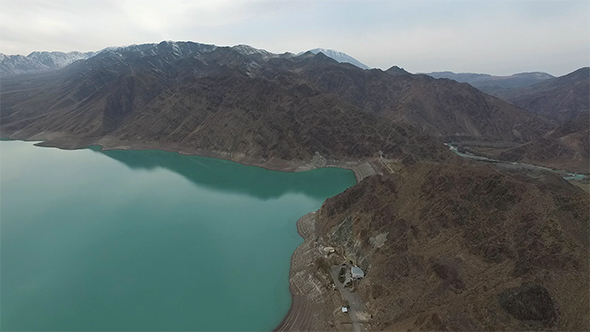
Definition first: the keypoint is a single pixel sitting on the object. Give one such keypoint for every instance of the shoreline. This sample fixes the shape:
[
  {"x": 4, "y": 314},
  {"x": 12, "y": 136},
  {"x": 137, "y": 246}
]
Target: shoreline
[
  {"x": 361, "y": 168},
  {"x": 312, "y": 299},
  {"x": 307, "y": 312},
  {"x": 292, "y": 320}
]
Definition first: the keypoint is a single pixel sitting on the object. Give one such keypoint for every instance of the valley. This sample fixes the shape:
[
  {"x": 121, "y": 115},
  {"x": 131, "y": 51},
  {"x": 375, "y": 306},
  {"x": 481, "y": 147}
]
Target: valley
[{"x": 485, "y": 233}]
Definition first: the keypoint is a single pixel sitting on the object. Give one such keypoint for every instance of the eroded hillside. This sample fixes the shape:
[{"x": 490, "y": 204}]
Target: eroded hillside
[
  {"x": 240, "y": 100},
  {"x": 466, "y": 248},
  {"x": 566, "y": 147}
]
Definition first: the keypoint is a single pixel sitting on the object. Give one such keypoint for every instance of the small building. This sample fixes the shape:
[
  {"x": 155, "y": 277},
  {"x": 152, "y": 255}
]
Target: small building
[
  {"x": 344, "y": 309},
  {"x": 329, "y": 250},
  {"x": 356, "y": 273}
]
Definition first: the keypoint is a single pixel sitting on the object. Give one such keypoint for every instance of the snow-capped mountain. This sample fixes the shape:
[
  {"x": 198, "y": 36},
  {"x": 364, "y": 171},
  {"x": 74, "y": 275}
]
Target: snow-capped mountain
[
  {"x": 339, "y": 56},
  {"x": 172, "y": 48},
  {"x": 181, "y": 50},
  {"x": 249, "y": 50},
  {"x": 38, "y": 62},
  {"x": 45, "y": 61}
]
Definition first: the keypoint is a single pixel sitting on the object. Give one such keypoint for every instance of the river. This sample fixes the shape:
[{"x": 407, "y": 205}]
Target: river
[{"x": 566, "y": 175}]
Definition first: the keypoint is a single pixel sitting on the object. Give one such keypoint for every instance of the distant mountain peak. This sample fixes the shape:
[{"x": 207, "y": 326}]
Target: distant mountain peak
[
  {"x": 397, "y": 71},
  {"x": 249, "y": 50},
  {"x": 483, "y": 81},
  {"x": 39, "y": 62},
  {"x": 338, "y": 56},
  {"x": 539, "y": 74}
]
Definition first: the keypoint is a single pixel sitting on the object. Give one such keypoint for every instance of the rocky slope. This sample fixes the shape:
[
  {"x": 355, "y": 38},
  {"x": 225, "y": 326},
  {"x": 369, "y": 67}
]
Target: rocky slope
[
  {"x": 465, "y": 248},
  {"x": 566, "y": 147},
  {"x": 338, "y": 56},
  {"x": 243, "y": 100},
  {"x": 562, "y": 98},
  {"x": 38, "y": 62},
  {"x": 442, "y": 108},
  {"x": 444, "y": 247},
  {"x": 219, "y": 100}
]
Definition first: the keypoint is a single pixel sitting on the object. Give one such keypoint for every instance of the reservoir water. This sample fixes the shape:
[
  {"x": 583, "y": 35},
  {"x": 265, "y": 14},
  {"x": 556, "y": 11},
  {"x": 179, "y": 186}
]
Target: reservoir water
[{"x": 148, "y": 240}]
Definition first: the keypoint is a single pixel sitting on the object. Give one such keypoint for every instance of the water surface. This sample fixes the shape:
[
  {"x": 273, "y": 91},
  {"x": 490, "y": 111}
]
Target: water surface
[
  {"x": 566, "y": 175},
  {"x": 148, "y": 240}
]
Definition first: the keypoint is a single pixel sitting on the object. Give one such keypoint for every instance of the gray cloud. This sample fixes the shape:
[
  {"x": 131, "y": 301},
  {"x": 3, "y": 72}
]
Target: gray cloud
[{"x": 498, "y": 37}]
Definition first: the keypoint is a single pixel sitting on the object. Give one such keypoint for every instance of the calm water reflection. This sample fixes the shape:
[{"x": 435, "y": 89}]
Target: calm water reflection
[{"x": 148, "y": 240}]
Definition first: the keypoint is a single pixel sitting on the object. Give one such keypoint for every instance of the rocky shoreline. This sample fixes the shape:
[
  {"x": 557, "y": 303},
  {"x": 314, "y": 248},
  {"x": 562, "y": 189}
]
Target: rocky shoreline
[
  {"x": 313, "y": 298},
  {"x": 360, "y": 168},
  {"x": 312, "y": 292},
  {"x": 316, "y": 302}
]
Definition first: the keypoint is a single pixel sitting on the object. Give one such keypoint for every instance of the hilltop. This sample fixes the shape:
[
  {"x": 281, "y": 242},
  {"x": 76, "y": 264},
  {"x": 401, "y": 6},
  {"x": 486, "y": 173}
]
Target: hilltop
[
  {"x": 561, "y": 98},
  {"x": 245, "y": 101},
  {"x": 464, "y": 247}
]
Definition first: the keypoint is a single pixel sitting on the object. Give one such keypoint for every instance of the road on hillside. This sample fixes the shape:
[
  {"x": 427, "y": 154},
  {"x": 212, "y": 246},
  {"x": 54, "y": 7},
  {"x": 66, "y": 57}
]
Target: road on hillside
[{"x": 355, "y": 304}]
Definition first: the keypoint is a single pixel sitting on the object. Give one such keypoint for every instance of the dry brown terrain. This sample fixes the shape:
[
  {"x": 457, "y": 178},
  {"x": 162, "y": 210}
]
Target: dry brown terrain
[
  {"x": 567, "y": 147},
  {"x": 561, "y": 98},
  {"x": 445, "y": 246},
  {"x": 316, "y": 302},
  {"x": 467, "y": 248},
  {"x": 244, "y": 101}
]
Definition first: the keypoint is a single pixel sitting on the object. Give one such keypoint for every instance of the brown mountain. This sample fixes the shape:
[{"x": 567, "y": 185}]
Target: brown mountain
[
  {"x": 562, "y": 98},
  {"x": 442, "y": 108},
  {"x": 465, "y": 248},
  {"x": 486, "y": 82},
  {"x": 226, "y": 108},
  {"x": 240, "y": 100},
  {"x": 567, "y": 147}
]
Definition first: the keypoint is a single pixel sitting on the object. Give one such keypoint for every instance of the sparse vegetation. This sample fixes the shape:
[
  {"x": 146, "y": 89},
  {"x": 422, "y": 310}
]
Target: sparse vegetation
[
  {"x": 323, "y": 265},
  {"x": 342, "y": 274},
  {"x": 458, "y": 237}
]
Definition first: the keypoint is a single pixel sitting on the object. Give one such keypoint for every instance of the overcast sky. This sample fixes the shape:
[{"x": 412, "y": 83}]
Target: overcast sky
[{"x": 493, "y": 36}]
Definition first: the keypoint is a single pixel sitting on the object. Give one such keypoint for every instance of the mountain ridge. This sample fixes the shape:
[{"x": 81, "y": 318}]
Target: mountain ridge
[
  {"x": 175, "y": 92},
  {"x": 487, "y": 81},
  {"x": 461, "y": 242},
  {"x": 39, "y": 61},
  {"x": 562, "y": 98},
  {"x": 338, "y": 56}
]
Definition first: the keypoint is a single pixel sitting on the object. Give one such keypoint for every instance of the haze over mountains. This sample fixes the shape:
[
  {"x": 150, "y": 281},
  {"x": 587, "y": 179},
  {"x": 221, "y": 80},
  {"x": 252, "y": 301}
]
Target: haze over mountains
[
  {"x": 467, "y": 247},
  {"x": 338, "y": 56},
  {"x": 244, "y": 100},
  {"x": 45, "y": 61},
  {"x": 112, "y": 91},
  {"x": 483, "y": 81},
  {"x": 564, "y": 100},
  {"x": 38, "y": 62},
  {"x": 561, "y": 98}
]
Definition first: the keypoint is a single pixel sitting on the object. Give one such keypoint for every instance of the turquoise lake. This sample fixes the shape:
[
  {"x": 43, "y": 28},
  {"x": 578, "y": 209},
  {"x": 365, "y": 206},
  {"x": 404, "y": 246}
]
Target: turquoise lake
[{"x": 148, "y": 240}]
